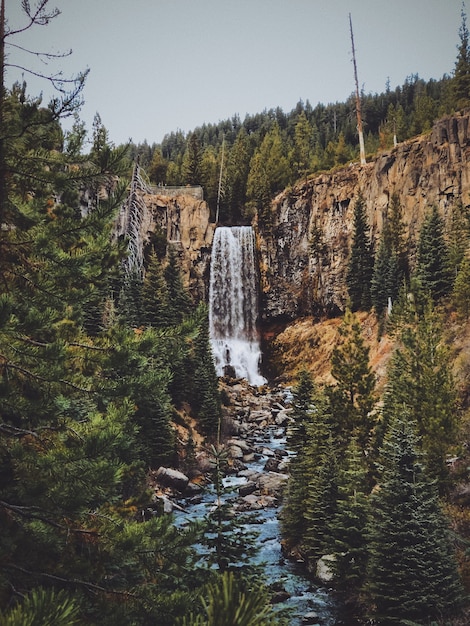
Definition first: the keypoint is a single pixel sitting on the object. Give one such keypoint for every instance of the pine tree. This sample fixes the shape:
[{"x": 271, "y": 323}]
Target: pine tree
[
  {"x": 349, "y": 524},
  {"x": 205, "y": 385},
  {"x": 361, "y": 260},
  {"x": 309, "y": 438},
  {"x": 432, "y": 268},
  {"x": 321, "y": 506},
  {"x": 155, "y": 294},
  {"x": 179, "y": 303},
  {"x": 460, "y": 83},
  {"x": 461, "y": 290},
  {"x": 238, "y": 164},
  {"x": 411, "y": 575},
  {"x": 193, "y": 161},
  {"x": 420, "y": 381},
  {"x": 352, "y": 398}
]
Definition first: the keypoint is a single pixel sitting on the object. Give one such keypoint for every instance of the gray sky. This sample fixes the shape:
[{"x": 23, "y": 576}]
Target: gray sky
[{"x": 161, "y": 65}]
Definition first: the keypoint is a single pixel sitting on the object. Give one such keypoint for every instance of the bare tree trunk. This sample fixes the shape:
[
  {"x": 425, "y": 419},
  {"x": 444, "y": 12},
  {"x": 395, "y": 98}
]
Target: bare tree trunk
[
  {"x": 3, "y": 194},
  {"x": 358, "y": 100}
]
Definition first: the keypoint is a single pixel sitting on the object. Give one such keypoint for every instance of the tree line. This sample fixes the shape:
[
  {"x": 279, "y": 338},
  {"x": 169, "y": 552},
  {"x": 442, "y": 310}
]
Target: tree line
[{"x": 266, "y": 152}]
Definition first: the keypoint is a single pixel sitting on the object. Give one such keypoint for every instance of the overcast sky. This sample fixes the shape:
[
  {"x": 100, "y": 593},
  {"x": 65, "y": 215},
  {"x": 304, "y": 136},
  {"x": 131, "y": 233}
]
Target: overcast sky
[{"x": 161, "y": 65}]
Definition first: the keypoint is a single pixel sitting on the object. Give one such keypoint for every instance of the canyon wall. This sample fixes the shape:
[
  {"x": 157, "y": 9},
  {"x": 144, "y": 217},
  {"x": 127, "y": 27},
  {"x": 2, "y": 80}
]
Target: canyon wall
[
  {"x": 304, "y": 245},
  {"x": 183, "y": 222}
]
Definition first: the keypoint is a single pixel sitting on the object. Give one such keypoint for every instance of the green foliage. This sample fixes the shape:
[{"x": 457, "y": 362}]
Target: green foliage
[
  {"x": 412, "y": 575},
  {"x": 232, "y": 603},
  {"x": 461, "y": 290},
  {"x": 460, "y": 83},
  {"x": 43, "y": 606},
  {"x": 421, "y": 382},
  {"x": 361, "y": 260},
  {"x": 349, "y": 525},
  {"x": 433, "y": 266},
  {"x": 352, "y": 398}
]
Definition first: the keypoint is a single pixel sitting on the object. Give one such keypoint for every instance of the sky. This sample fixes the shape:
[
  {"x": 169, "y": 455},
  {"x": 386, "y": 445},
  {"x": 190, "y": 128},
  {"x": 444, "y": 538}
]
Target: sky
[{"x": 158, "y": 66}]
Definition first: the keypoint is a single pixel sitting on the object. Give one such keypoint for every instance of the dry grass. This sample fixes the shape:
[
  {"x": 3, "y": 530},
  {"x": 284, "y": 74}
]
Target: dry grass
[{"x": 309, "y": 343}]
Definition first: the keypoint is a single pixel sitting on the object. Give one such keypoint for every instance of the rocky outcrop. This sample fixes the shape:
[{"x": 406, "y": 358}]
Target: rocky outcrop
[
  {"x": 304, "y": 248},
  {"x": 184, "y": 222}
]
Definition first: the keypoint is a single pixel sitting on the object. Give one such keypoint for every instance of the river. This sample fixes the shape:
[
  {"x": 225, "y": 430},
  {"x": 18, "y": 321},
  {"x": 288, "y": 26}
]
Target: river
[{"x": 309, "y": 603}]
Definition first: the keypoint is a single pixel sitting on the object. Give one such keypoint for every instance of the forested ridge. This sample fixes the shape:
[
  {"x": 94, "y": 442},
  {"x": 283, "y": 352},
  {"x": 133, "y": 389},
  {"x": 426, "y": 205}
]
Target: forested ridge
[{"x": 103, "y": 365}]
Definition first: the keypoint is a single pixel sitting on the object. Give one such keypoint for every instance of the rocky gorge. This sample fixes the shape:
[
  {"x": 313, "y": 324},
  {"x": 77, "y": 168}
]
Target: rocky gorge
[
  {"x": 255, "y": 423},
  {"x": 304, "y": 245}
]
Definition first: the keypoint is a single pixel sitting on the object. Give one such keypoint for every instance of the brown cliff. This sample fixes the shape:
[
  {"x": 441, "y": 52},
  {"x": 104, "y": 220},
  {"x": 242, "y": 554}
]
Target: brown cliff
[{"x": 303, "y": 253}]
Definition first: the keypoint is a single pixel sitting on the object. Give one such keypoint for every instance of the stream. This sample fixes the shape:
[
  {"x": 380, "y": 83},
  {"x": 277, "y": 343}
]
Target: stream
[{"x": 308, "y": 602}]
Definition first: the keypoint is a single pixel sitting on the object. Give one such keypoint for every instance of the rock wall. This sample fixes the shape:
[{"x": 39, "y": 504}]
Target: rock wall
[
  {"x": 184, "y": 221},
  {"x": 303, "y": 251}
]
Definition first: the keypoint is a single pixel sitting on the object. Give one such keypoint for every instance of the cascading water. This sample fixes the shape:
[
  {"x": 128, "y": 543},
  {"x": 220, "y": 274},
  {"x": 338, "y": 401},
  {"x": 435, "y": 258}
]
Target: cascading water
[{"x": 233, "y": 304}]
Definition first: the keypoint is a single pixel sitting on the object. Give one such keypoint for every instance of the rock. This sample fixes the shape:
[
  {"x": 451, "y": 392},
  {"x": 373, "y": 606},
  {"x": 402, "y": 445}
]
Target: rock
[
  {"x": 239, "y": 443},
  {"x": 272, "y": 483},
  {"x": 280, "y": 596},
  {"x": 247, "y": 489},
  {"x": 192, "y": 489},
  {"x": 168, "y": 477},
  {"x": 271, "y": 465},
  {"x": 310, "y": 618},
  {"x": 282, "y": 418},
  {"x": 267, "y": 452},
  {"x": 235, "y": 452},
  {"x": 250, "y": 502},
  {"x": 325, "y": 571}
]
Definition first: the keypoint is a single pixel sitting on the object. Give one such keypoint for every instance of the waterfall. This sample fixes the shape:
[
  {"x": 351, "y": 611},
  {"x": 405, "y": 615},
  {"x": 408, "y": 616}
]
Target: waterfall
[{"x": 233, "y": 304}]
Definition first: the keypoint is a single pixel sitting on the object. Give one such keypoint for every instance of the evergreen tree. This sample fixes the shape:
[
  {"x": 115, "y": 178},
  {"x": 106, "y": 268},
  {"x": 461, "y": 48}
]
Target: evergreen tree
[
  {"x": 461, "y": 291},
  {"x": 349, "y": 525},
  {"x": 420, "y": 381},
  {"x": 205, "y": 384},
  {"x": 361, "y": 260},
  {"x": 309, "y": 438},
  {"x": 412, "y": 575},
  {"x": 193, "y": 161},
  {"x": 352, "y": 398},
  {"x": 432, "y": 268},
  {"x": 179, "y": 303},
  {"x": 238, "y": 164},
  {"x": 460, "y": 83},
  {"x": 155, "y": 294},
  {"x": 321, "y": 506}
]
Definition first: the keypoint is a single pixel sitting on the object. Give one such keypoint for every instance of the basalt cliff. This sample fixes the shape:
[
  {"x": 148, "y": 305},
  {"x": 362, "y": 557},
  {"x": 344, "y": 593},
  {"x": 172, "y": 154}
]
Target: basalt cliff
[
  {"x": 303, "y": 246},
  {"x": 303, "y": 252}
]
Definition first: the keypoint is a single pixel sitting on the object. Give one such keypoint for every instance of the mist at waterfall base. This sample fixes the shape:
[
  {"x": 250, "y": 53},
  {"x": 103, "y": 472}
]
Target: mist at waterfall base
[{"x": 233, "y": 304}]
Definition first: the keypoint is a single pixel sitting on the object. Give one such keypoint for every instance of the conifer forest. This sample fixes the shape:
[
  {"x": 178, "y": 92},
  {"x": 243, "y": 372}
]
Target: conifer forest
[{"x": 107, "y": 376}]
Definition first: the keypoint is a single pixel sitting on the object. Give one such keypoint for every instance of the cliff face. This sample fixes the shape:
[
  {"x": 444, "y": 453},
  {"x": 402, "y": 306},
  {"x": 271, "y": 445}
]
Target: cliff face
[
  {"x": 182, "y": 221},
  {"x": 303, "y": 252}
]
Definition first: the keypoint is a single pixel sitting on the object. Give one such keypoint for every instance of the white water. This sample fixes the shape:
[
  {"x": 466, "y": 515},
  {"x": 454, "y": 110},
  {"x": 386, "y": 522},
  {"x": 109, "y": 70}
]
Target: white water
[{"x": 233, "y": 304}]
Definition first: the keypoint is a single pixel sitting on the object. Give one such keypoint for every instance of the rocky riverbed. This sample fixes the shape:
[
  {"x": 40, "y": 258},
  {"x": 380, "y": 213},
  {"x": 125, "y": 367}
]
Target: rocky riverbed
[{"x": 254, "y": 426}]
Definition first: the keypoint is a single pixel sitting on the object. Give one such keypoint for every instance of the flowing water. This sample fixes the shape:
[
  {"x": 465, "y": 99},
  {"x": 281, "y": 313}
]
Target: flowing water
[
  {"x": 233, "y": 304},
  {"x": 233, "y": 313},
  {"x": 306, "y": 597}
]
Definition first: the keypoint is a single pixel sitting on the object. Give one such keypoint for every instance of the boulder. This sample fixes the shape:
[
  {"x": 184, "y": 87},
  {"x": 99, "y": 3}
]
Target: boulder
[
  {"x": 247, "y": 489},
  {"x": 271, "y": 465},
  {"x": 272, "y": 483},
  {"x": 168, "y": 477},
  {"x": 325, "y": 571}
]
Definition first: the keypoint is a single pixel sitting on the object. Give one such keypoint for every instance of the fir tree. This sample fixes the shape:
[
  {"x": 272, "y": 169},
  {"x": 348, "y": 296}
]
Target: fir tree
[
  {"x": 179, "y": 303},
  {"x": 421, "y": 381},
  {"x": 349, "y": 524},
  {"x": 461, "y": 290},
  {"x": 205, "y": 384},
  {"x": 411, "y": 574},
  {"x": 361, "y": 260},
  {"x": 460, "y": 83},
  {"x": 432, "y": 268},
  {"x": 155, "y": 294},
  {"x": 352, "y": 398}
]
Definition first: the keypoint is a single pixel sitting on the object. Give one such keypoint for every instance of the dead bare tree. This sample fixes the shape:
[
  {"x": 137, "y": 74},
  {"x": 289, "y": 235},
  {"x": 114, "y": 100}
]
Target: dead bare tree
[{"x": 358, "y": 99}]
